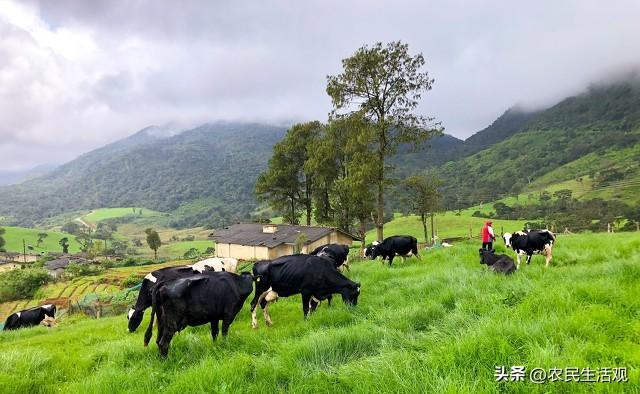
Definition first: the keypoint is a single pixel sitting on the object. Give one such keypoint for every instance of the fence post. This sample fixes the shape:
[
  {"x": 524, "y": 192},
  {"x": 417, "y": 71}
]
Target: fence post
[
  {"x": 470, "y": 233},
  {"x": 637, "y": 226}
]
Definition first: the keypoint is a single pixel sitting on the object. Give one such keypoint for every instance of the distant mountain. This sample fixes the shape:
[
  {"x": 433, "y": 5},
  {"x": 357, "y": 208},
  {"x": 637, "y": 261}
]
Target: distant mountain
[
  {"x": 601, "y": 121},
  {"x": 15, "y": 177},
  {"x": 214, "y": 163}
]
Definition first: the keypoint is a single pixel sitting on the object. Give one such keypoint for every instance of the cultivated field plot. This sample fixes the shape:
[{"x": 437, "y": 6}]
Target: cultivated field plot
[{"x": 439, "y": 324}]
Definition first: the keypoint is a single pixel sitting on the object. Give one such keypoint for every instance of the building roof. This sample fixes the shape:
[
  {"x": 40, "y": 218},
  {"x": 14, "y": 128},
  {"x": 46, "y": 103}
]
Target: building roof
[
  {"x": 57, "y": 263},
  {"x": 251, "y": 234}
]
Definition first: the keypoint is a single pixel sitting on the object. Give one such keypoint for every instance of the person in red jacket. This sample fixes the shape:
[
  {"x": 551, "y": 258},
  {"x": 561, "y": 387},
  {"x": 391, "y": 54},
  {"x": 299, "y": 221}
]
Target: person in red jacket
[{"x": 487, "y": 235}]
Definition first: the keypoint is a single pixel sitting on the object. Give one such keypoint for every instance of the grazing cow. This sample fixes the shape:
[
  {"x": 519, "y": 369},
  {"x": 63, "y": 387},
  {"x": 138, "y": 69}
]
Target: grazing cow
[
  {"x": 136, "y": 313},
  {"x": 337, "y": 253},
  {"x": 218, "y": 264},
  {"x": 315, "y": 278},
  {"x": 195, "y": 300},
  {"x": 535, "y": 241},
  {"x": 397, "y": 245},
  {"x": 500, "y": 263},
  {"x": 30, "y": 317}
]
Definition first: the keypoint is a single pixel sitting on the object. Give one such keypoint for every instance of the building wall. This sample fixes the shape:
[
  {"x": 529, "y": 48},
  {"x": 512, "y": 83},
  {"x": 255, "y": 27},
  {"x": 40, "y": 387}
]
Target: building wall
[
  {"x": 8, "y": 266},
  {"x": 242, "y": 252}
]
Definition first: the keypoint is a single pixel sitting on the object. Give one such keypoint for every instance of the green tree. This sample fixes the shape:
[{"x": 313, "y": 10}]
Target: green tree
[
  {"x": 153, "y": 240},
  {"x": 286, "y": 186},
  {"x": 41, "y": 237},
  {"x": 71, "y": 228},
  {"x": 2, "y": 241},
  {"x": 422, "y": 196},
  {"x": 385, "y": 84},
  {"x": 104, "y": 232},
  {"x": 64, "y": 242}
]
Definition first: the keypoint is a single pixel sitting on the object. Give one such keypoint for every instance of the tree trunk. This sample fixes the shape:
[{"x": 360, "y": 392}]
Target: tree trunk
[
  {"x": 155, "y": 254},
  {"x": 433, "y": 239},
  {"x": 308, "y": 201},
  {"x": 363, "y": 233},
  {"x": 423, "y": 218},
  {"x": 380, "y": 218}
]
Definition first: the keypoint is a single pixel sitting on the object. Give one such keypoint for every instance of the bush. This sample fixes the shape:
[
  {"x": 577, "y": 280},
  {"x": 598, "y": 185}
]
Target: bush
[
  {"x": 18, "y": 284},
  {"x": 74, "y": 270},
  {"x": 132, "y": 280}
]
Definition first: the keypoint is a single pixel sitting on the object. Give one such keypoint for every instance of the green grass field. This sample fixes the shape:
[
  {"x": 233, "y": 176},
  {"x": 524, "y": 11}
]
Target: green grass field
[
  {"x": 448, "y": 225},
  {"x": 98, "y": 215},
  {"x": 178, "y": 249},
  {"x": 440, "y": 324},
  {"x": 14, "y": 236}
]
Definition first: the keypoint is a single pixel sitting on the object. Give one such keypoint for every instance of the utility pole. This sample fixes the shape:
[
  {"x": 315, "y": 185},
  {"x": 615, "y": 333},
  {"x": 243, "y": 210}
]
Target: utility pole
[
  {"x": 433, "y": 240},
  {"x": 24, "y": 251}
]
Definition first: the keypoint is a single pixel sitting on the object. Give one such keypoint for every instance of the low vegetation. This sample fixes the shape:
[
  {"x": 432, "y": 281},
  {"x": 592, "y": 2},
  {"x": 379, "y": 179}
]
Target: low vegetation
[
  {"x": 440, "y": 324},
  {"x": 15, "y": 235},
  {"x": 21, "y": 283}
]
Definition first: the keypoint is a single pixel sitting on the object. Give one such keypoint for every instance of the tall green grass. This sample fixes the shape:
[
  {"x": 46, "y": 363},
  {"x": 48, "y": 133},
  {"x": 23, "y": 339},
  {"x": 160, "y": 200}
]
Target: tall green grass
[{"x": 439, "y": 324}]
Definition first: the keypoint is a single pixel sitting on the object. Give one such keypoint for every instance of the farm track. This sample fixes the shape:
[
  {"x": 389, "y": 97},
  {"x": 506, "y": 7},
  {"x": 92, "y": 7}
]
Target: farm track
[{"x": 76, "y": 288}]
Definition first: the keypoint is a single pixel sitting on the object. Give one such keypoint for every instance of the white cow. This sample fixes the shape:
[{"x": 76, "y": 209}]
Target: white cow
[{"x": 218, "y": 264}]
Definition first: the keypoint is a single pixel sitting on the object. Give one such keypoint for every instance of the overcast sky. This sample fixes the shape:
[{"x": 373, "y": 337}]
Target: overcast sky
[{"x": 75, "y": 75}]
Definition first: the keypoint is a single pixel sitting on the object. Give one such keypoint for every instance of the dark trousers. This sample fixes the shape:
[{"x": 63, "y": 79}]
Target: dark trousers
[{"x": 487, "y": 245}]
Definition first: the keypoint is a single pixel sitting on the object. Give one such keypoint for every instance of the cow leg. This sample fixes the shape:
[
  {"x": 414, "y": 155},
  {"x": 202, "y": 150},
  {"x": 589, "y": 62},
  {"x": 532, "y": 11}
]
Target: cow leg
[
  {"x": 214, "y": 329},
  {"x": 517, "y": 260},
  {"x": 259, "y": 297},
  {"x": 165, "y": 341},
  {"x": 269, "y": 298},
  {"x": 306, "y": 298},
  {"x": 529, "y": 258},
  {"x": 548, "y": 255},
  {"x": 329, "y": 299},
  {"x": 391, "y": 260},
  {"x": 226, "y": 322}
]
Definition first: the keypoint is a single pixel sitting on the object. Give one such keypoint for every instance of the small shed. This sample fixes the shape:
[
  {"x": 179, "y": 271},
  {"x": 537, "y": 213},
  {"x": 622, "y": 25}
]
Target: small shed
[{"x": 256, "y": 241}]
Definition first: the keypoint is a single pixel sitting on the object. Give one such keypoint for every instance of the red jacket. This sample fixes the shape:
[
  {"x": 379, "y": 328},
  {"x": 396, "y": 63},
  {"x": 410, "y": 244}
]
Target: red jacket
[{"x": 487, "y": 233}]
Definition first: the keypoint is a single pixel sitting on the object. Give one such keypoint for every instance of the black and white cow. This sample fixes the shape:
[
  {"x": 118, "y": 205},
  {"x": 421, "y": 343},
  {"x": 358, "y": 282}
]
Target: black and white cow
[
  {"x": 500, "y": 263},
  {"x": 337, "y": 253},
  {"x": 535, "y": 241},
  {"x": 196, "y": 300},
  {"x": 315, "y": 278},
  {"x": 397, "y": 245},
  {"x": 30, "y": 317},
  {"x": 136, "y": 313}
]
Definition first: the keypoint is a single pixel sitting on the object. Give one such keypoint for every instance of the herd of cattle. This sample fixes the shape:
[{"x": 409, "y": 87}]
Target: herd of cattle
[{"x": 212, "y": 291}]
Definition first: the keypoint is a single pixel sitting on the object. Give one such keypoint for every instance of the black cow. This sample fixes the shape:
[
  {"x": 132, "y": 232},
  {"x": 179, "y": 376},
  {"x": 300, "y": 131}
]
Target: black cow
[
  {"x": 30, "y": 317},
  {"x": 144, "y": 301},
  {"x": 397, "y": 245},
  {"x": 535, "y": 241},
  {"x": 337, "y": 253},
  {"x": 136, "y": 313},
  {"x": 315, "y": 278},
  {"x": 497, "y": 262},
  {"x": 195, "y": 300}
]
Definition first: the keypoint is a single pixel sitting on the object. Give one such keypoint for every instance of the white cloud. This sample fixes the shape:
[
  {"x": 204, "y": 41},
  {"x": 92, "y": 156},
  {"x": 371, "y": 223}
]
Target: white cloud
[{"x": 75, "y": 75}]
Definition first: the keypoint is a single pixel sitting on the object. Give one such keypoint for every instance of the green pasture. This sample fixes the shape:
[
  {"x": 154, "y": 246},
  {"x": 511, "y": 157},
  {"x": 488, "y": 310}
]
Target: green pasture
[
  {"x": 448, "y": 225},
  {"x": 14, "y": 236},
  {"x": 178, "y": 249},
  {"x": 98, "y": 215},
  {"x": 439, "y": 324}
]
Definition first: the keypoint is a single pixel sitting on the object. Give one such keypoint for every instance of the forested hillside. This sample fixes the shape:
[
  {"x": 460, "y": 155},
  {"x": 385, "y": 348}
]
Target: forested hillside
[
  {"x": 597, "y": 123},
  {"x": 216, "y": 163}
]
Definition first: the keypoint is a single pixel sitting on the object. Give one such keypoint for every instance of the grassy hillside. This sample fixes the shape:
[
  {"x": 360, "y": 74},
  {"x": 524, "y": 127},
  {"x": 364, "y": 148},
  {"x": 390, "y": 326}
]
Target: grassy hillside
[
  {"x": 442, "y": 324},
  {"x": 15, "y": 235},
  {"x": 448, "y": 225},
  {"x": 98, "y": 215}
]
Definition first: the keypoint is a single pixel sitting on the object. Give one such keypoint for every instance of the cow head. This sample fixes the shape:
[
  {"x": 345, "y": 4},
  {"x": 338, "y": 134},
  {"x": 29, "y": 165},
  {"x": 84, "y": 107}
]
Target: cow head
[
  {"x": 49, "y": 310},
  {"x": 507, "y": 239},
  {"x": 350, "y": 294},
  {"x": 135, "y": 318},
  {"x": 485, "y": 256},
  {"x": 371, "y": 251}
]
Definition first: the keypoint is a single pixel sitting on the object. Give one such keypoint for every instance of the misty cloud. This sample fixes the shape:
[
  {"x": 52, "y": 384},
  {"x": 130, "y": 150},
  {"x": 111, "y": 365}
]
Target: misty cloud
[{"x": 75, "y": 75}]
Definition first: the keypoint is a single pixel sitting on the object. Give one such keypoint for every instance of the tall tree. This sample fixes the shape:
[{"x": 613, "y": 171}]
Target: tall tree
[
  {"x": 286, "y": 186},
  {"x": 2, "y": 241},
  {"x": 104, "y": 232},
  {"x": 385, "y": 83},
  {"x": 153, "y": 240},
  {"x": 64, "y": 242},
  {"x": 41, "y": 237},
  {"x": 422, "y": 197}
]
